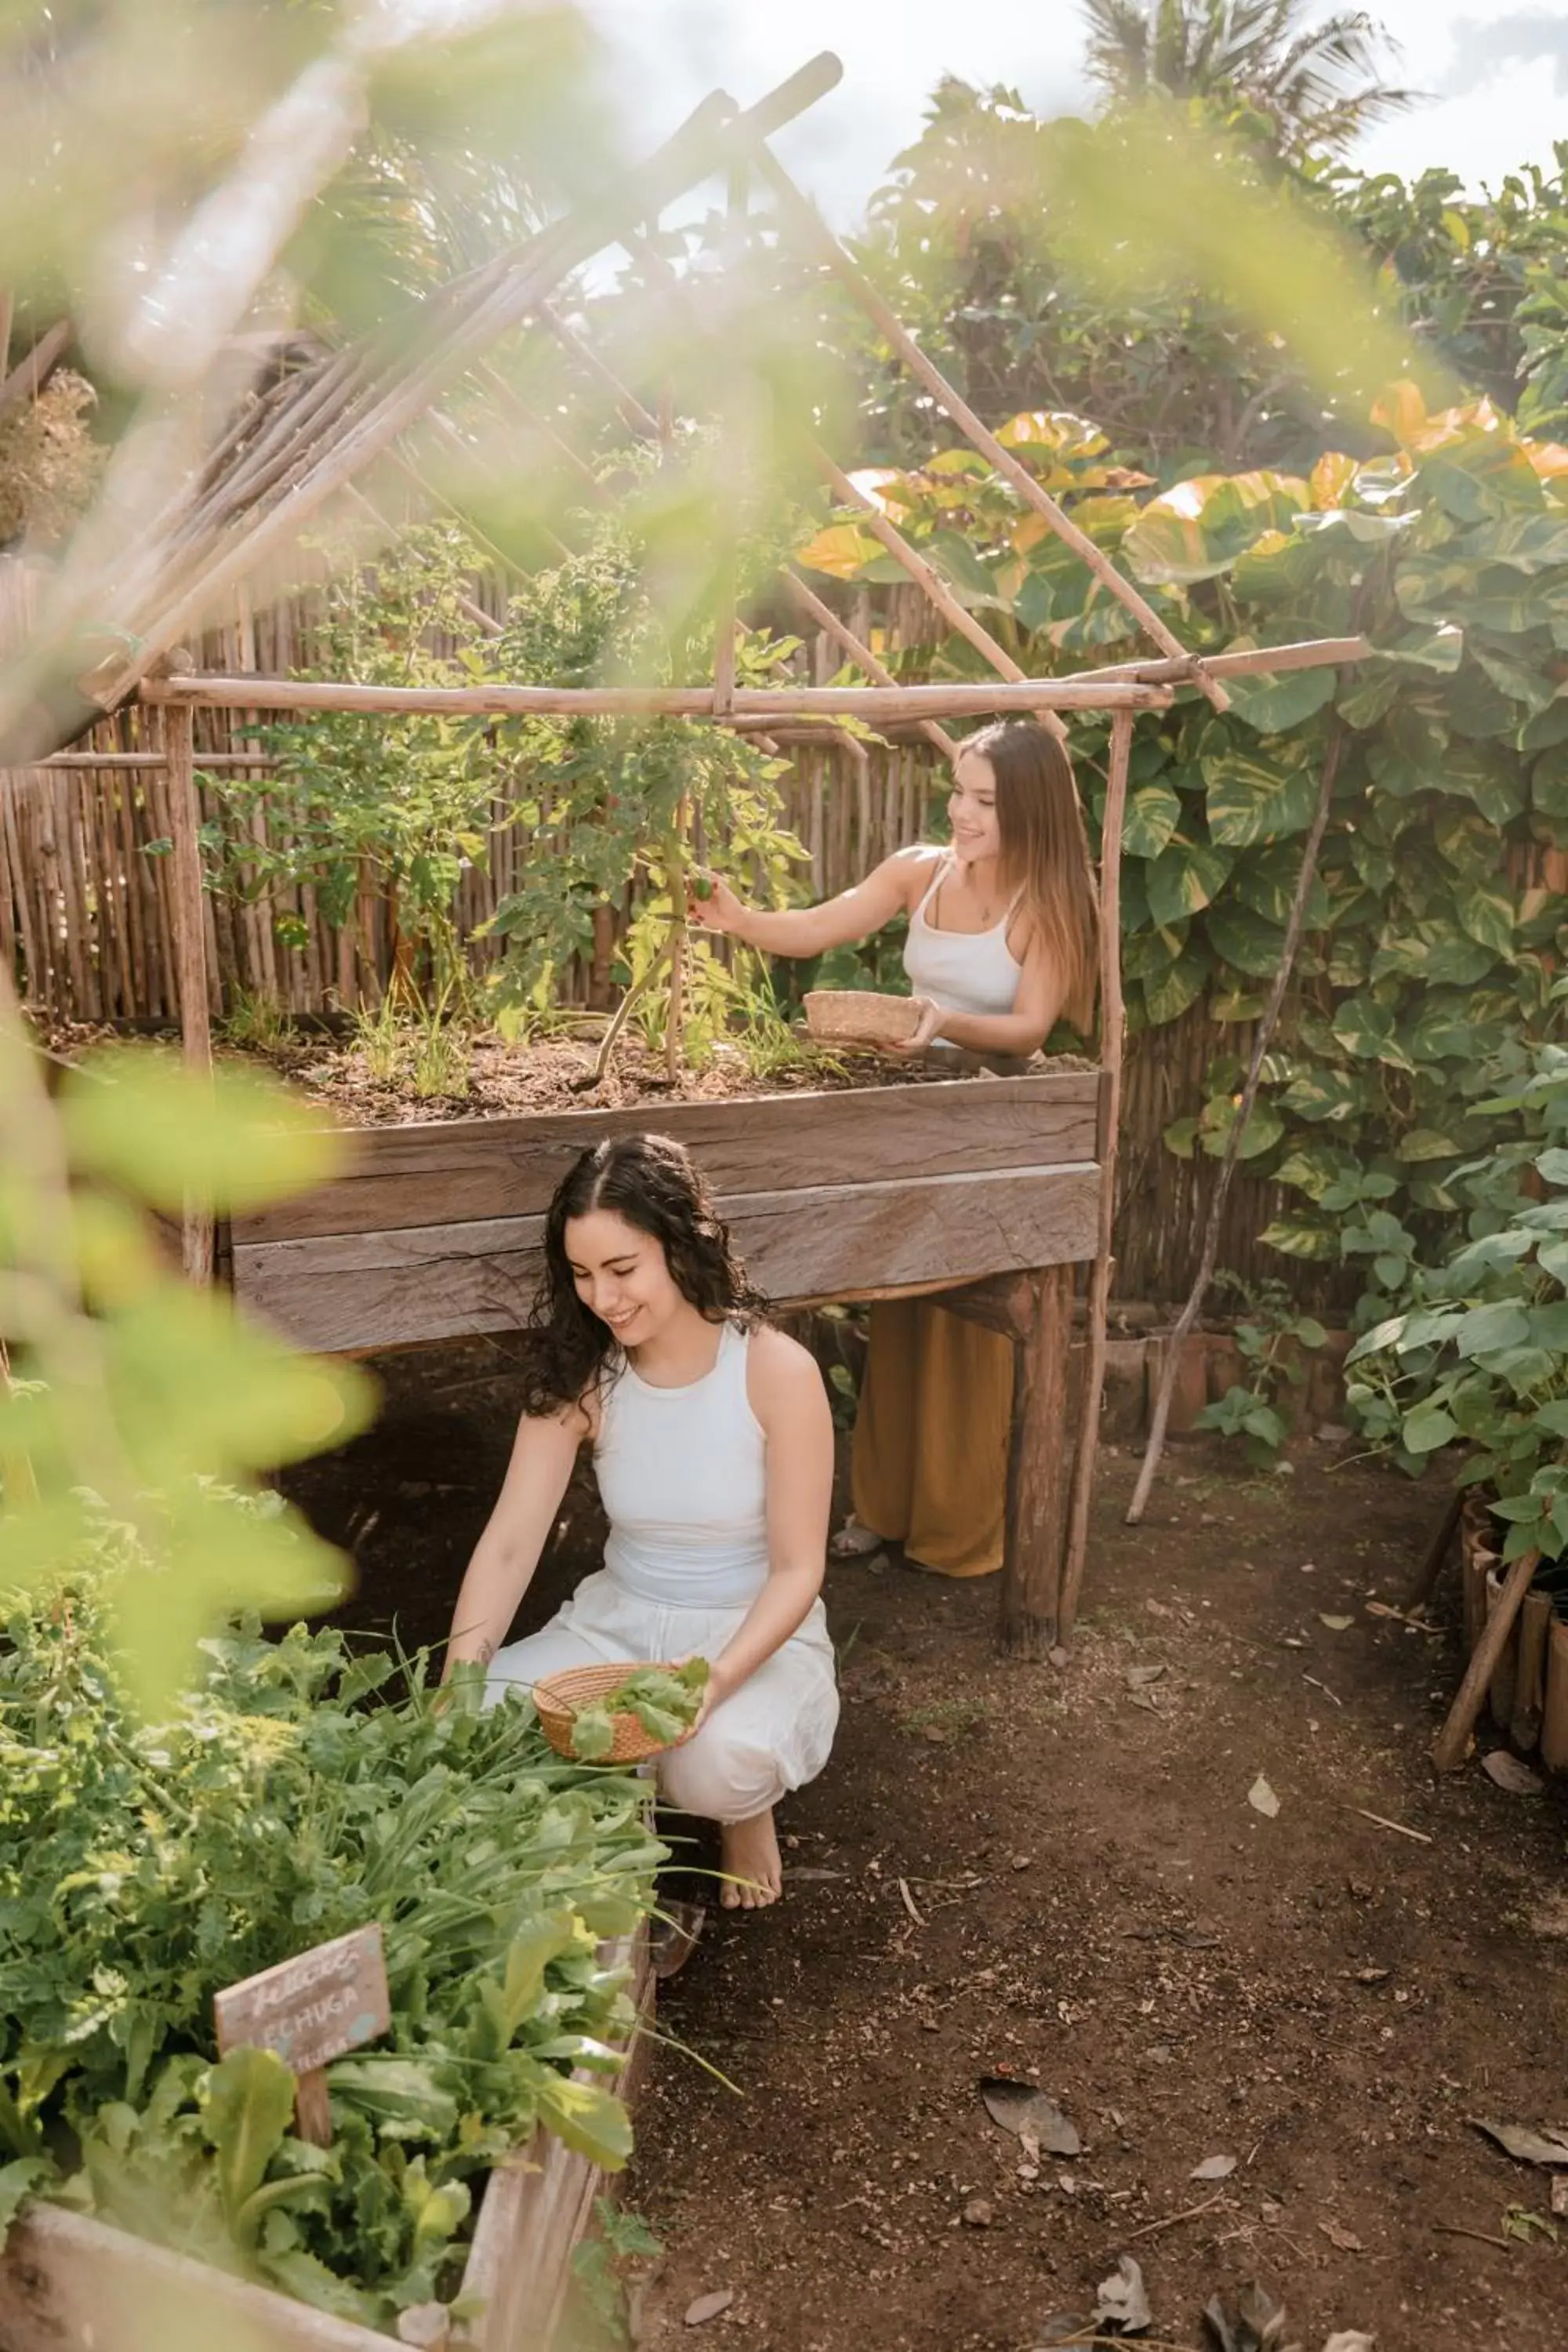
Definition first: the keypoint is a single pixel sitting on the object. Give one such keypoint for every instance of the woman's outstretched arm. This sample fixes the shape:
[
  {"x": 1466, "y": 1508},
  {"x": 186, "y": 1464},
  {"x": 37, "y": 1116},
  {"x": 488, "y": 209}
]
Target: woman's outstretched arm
[
  {"x": 508, "y": 1552},
  {"x": 789, "y": 1399},
  {"x": 887, "y": 890}
]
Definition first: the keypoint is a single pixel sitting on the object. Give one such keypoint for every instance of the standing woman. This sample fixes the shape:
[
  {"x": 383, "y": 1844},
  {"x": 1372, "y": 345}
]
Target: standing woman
[
  {"x": 1002, "y": 943},
  {"x": 713, "y": 1448}
]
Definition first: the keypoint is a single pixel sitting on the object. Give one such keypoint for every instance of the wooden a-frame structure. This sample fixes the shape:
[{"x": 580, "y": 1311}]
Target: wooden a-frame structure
[{"x": 285, "y": 456}]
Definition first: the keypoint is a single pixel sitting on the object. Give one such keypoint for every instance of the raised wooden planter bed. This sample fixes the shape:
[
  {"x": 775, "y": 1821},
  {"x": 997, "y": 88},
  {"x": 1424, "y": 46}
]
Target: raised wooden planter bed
[
  {"x": 1528, "y": 1695},
  {"x": 986, "y": 1189},
  {"x": 68, "y": 2283}
]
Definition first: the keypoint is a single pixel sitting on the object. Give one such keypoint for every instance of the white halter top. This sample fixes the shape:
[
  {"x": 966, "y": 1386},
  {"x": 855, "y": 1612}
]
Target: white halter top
[
  {"x": 682, "y": 1476},
  {"x": 961, "y": 971}
]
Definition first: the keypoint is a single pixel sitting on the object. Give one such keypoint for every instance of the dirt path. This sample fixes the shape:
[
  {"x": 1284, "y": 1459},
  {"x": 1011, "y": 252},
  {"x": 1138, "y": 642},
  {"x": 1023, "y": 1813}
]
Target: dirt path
[{"x": 1102, "y": 1910}]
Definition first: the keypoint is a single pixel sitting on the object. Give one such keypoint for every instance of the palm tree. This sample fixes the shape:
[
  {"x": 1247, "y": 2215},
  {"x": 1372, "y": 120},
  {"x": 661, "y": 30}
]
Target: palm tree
[{"x": 1266, "y": 53}]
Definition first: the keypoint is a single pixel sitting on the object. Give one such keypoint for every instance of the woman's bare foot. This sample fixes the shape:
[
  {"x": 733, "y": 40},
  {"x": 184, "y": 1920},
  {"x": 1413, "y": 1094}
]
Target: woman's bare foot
[
  {"x": 854, "y": 1541},
  {"x": 749, "y": 1857}
]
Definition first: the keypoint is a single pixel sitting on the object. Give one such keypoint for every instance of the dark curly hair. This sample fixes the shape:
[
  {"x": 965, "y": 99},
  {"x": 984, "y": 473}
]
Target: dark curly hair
[{"x": 650, "y": 1182}]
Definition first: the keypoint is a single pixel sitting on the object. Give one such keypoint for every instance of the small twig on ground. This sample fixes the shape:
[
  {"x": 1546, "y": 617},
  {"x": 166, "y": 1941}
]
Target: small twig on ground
[
  {"x": 1481, "y": 2237},
  {"x": 908, "y": 1902},
  {"x": 1421, "y": 1836},
  {"x": 1324, "y": 1688},
  {"x": 1169, "y": 2221}
]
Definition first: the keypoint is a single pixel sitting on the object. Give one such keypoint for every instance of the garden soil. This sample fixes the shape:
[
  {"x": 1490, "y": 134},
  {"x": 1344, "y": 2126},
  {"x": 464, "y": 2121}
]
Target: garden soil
[{"x": 1066, "y": 1877}]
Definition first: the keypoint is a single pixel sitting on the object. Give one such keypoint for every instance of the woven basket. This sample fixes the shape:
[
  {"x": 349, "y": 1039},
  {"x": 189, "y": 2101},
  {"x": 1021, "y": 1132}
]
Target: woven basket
[
  {"x": 859, "y": 1016},
  {"x": 559, "y": 1698}
]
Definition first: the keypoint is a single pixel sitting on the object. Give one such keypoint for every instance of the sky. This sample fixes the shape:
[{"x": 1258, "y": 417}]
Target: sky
[{"x": 1498, "y": 77}]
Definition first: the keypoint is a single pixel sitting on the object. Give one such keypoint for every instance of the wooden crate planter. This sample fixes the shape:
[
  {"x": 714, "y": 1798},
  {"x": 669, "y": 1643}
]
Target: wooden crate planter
[
  {"x": 987, "y": 1190},
  {"x": 70, "y": 2283},
  {"x": 436, "y": 1229}
]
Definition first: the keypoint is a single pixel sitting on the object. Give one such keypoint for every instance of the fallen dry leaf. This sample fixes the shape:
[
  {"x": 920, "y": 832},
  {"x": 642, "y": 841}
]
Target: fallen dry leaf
[
  {"x": 1262, "y": 1799},
  {"x": 1549, "y": 2146},
  {"x": 1350, "y": 2339},
  {"x": 708, "y": 2306},
  {"x": 1123, "y": 2301},
  {"x": 1346, "y": 2239},
  {"x": 1560, "y": 2196},
  {"x": 1510, "y": 1774},
  {"x": 1029, "y": 2114},
  {"x": 1213, "y": 2167},
  {"x": 1136, "y": 1677},
  {"x": 1335, "y": 1624}
]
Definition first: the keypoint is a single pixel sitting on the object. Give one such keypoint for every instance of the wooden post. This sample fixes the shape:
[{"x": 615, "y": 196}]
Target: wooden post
[
  {"x": 1111, "y": 1032},
  {"x": 190, "y": 950},
  {"x": 1036, "y": 1484},
  {"x": 899, "y": 340},
  {"x": 1449, "y": 1748}
]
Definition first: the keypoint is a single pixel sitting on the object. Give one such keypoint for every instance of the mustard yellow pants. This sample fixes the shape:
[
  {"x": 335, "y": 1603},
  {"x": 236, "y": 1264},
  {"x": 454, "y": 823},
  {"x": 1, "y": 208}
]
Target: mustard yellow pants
[{"x": 929, "y": 1463}]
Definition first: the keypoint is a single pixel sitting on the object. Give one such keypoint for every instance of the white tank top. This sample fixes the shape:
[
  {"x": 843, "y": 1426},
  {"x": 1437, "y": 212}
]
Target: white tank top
[
  {"x": 682, "y": 1476},
  {"x": 961, "y": 971}
]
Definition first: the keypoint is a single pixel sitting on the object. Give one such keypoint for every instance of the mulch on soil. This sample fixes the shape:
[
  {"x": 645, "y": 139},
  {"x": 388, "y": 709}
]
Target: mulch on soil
[
  {"x": 553, "y": 1074},
  {"x": 1005, "y": 1870}
]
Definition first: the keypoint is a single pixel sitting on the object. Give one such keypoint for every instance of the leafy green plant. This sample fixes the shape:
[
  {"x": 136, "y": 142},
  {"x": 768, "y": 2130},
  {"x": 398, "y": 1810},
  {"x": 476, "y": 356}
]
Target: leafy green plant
[
  {"x": 1480, "y": 1357},
  {"x": 619, "y": 2239},
  {"x": 665, "y": 1701},
  {"x": 290, "y": 1793},
  {"x": 1273, "y": 1336}
]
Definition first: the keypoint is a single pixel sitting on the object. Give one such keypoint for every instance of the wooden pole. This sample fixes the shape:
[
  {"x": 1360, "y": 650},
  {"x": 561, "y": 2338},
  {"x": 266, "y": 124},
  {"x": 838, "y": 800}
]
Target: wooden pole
[
  {"x": 27, "y": 380},
  {"x": 1260, "y": 1043},
  {"x": 1251, "y": 661},
  {"x": 1110, "y": 1032},
  {"x": 844, "y": 637},
  {"x": 1424, "y": 1583},
  {"x": 1037, "y": 1487},
  {"x": 869, "y": 702},
  {"x": 898, "y": 337},
  {"x": 190, "y": 952},
  {"x": 1449, "y": 1748}
]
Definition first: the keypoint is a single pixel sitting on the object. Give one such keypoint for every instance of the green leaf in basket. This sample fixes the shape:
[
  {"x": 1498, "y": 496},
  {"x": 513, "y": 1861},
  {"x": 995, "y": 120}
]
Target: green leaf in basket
[{"x": 593, "y": 1733}]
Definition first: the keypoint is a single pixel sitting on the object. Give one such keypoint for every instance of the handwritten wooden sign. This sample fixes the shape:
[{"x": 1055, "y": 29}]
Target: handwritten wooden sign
[{"x": 310, "y": 2010}]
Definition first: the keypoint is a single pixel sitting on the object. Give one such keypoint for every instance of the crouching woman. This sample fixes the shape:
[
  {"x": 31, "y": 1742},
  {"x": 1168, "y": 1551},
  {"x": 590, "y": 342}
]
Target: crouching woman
[{"x": 712, "y": 1445}]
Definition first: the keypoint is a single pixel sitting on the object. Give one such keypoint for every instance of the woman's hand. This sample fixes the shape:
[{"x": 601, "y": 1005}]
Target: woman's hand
[
  {"x": 715, "y": 1691},
  {"x": 928, "y": 1026},
  {"x": 711, "y": 903}
]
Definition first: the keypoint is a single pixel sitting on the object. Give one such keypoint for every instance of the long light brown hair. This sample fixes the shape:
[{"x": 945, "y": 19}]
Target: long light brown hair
[{"x": 1044, "y": 852}]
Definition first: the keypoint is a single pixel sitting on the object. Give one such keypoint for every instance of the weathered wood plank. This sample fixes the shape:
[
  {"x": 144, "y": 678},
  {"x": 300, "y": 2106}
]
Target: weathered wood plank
[
  {"x": 364, "y": 1290},
  {"x": 459, "y": 1170}
]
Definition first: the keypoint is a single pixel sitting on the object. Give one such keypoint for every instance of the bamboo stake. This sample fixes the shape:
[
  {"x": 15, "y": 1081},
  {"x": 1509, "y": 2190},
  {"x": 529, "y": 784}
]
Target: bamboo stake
[
  {"x": 957, "y": 615},
  {"x": 497, "y": 383},
  {"x": 860, "y": 653},
  {"x": 641, "y": 420},
  {"x": 189, "y": 950},
  {"x": 1260, "y": 1043},
  {"x": 1112, "y": 1025},
  {"x": 1425, "y": 1580},
  {"x": 1305, "y": 653},
  {"x": 483, "y": 621},
  {"x": 1449, "y": 1748},
  {"x": 869, "y": 702},
  {"x": 927, "y": 372}
]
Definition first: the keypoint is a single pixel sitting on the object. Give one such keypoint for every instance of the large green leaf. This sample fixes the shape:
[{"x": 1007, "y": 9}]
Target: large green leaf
[
  {"x": 1366, "y": 1029},
  {"x": 1432, "y": 953},
  {"x": 1267, "y": 883},
  {"x": 589, "y": 2120},
  {"x": 1200, "y": 528},
  {"x": 1324, "y": 1093},
  {"x": 1486, "y": 912},
  {"x": 1549, "y": 783},
  {"x": 972, "y": 582},
  {"x": 1153, "y": 812},
  {"x": 1247, "y": 941},
  {"x": 1183, "y": 879},
  {"x": 1526, "y": 543},
  {"x": 1274, "y": 705},
  {"x": 1252, "y": 798},
  {"x": 1300, "y": 1237},
  {"x": 1169, "y": 995},
  {"x": 246, "y": 2112}
]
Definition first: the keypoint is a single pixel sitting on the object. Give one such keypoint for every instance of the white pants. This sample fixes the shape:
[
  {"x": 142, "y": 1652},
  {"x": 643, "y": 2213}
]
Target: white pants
[{"x": 770, "y": 1736}]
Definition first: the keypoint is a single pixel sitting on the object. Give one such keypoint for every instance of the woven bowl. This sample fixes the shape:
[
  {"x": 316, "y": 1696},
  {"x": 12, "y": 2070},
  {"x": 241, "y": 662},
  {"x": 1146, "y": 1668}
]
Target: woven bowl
[
  {"x": 859, "y": 1016},
  {"x": 558, "y": 1699}
]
